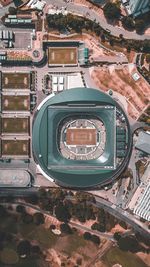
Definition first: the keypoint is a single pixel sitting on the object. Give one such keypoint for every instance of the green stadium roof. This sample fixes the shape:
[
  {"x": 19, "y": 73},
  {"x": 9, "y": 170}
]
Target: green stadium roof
[{"x": 50, "y": 113}]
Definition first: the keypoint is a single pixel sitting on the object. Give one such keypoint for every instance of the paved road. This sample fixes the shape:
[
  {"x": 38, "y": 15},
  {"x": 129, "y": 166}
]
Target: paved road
[
  {"x": 123, "y": 215},
  {"x": 82, "y": 10}
]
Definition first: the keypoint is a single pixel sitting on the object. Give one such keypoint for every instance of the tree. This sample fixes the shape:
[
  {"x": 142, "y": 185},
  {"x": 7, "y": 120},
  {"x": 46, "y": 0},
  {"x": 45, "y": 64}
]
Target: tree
[
  {"x": 87, "y": 236},
  {"x": 65, "y": 228},
  {"x": 128, "y": 23},
  {"x": 38, "y": 218},
  {"x": 99, "y": 227},
  {"x": 117, "y": 236},
  {"x": 111, "y": 11},
  {"x": 27, "y": 218},
  {"x": 3, "y": 211},
  {"x": 52, "y": 227},
  {"x": 24, "y": 248},
  {"x": 95, "y": 239},
  {"x": 12, "y": 10},
  {"x": 33, "y": 199},
  {"x": 42, "y": 193},
  {"x": 128, "y": 243},
  {"x": 62, "y": 213},
  {"x": 20, "y": 209}
]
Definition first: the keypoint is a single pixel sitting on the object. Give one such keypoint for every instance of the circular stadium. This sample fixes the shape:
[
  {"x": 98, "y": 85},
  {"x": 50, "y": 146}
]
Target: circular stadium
[{"x": 81, "y": 138}]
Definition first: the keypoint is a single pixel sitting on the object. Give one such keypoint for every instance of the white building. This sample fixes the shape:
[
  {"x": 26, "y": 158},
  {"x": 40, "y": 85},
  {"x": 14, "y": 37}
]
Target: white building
[{"x": 138, "y": 7}]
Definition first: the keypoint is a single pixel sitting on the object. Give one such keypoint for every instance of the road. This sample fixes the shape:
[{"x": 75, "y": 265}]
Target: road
[
  {"x": 82, "y": 10},
  {"x": 123, "y": 215}
]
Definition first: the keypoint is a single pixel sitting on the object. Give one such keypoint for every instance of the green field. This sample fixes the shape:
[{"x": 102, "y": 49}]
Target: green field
[
  {"x": 126, "y": 259},
  {"x": 15, "y": 147},
  {"x": 15, "y": 80},
  {"x": 62, "y": 56},
  {"x": 44, "y": 236},
  {"x": 16, "y": 103},
  {"x": 15, "y": 125},
  {"x": 9, "y": 256}
]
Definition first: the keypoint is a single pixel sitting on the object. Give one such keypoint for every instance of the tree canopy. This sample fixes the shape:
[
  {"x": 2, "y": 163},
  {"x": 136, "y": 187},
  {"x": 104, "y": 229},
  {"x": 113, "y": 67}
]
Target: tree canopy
[
  {"x": 24, "y": 247},
  {"x": 62, "y": 213},
  {"x": 112, "y": 11}
]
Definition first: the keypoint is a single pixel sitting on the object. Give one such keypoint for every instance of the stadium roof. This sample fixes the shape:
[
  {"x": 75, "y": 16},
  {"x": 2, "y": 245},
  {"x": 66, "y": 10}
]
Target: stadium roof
[{"x": 50, "y": 113}]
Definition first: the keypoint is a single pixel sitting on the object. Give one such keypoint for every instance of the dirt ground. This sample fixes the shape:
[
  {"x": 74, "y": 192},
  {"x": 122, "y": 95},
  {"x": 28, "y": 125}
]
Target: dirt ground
[
  {"x": 120, "y": 80},
  {"x": 144, "y": 257}
]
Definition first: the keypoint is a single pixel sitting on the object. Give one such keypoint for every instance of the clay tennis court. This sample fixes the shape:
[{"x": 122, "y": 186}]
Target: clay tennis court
[
  {"x": 62, "y": 56},
  {"x": 81, "y": 137},
  {"x": 15, "y": 80},
  {"x": 15, "y": 147},
  {"x": 16, "y": 103}
]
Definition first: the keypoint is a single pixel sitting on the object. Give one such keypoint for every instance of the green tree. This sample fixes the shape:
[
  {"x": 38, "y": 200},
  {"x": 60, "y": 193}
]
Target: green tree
[
  {"x": 20, "y": 209},
  {"x": 24, "y": 247},
  {"x": 38, "y": 218},
  {"x": 42, "y": 193},
  {"x": 117, "y": 236},
  {"x": 27, "y": 218},
  {"x": 128, "y": 243},
  {"x": 12, "y": 10},
  {"x": 3, "y": 211},
  {"x": 95, "y": 239},
  {"x": 87, "y": 236},
  {"x": 128, "y": 23},
  {"x": 62, "y": 213},
  {"x": 111, "y": 11},
  {"x": 65, "y": 228}
]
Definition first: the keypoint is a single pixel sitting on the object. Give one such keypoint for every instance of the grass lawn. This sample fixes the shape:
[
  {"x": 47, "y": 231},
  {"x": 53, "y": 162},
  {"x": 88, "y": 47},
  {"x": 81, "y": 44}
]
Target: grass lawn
[
  {"x": 74, "y": 242},
  {"x": 44, "y": 236},
  {"x": 62, "y": 55},
  {"x": 8, "y": 224},
  {"x": 15, "y": 125},
  {"x": 16, "y": 103},
  {"x": 9, "y": 256},
  {"x": 25, "y": 229},
  {"x": 126, "y": 259},
  {"x": 15, "y": 80},
  {"x": 15, "y": 147},
  {"x": 31, "y": 263}
]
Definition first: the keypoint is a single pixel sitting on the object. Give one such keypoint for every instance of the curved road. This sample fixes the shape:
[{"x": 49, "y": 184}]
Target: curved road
[
  {"x": 93, "y": 15},
  {"x": 123, "y": 215}
]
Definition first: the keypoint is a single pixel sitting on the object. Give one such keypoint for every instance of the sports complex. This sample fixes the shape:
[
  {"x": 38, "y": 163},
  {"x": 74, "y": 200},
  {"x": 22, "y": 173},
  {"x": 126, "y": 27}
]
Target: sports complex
[
  {"x": 81, "y": 138},
  {"x": 15, "y": 115}
]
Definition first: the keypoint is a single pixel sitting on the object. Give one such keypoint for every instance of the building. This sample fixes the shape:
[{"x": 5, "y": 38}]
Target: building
[
  {"x": 79, "y": 139},
  {"x": 141, "y": 199},
  {"x": 143, "y": 142},
  {"x": 138, "y": 7}
]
